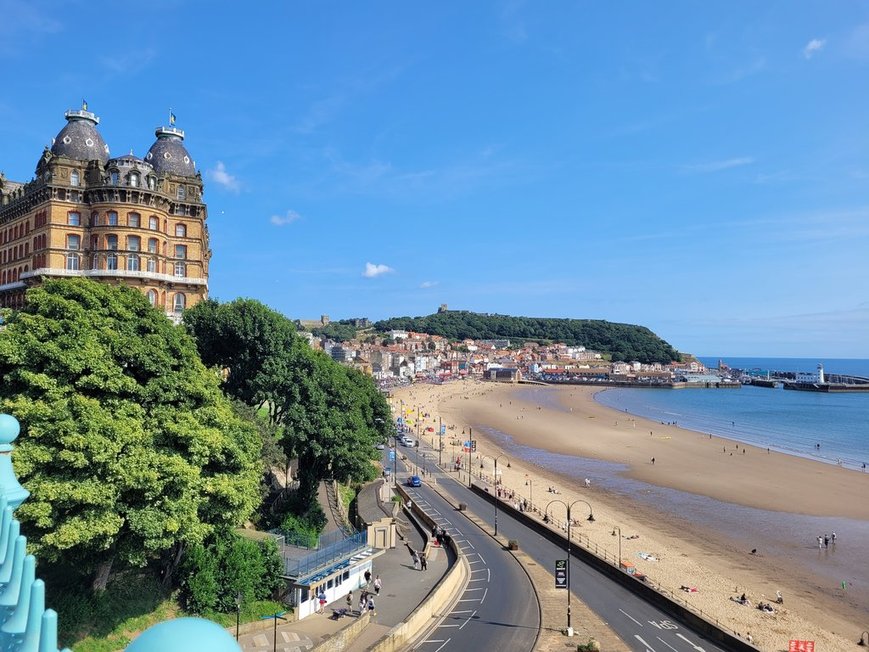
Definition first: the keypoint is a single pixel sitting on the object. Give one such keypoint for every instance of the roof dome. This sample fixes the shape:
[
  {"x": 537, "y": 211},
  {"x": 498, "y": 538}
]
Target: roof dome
[
  {"x": 168, "y": 153},
  {"x": 183, "y": 635},
  {"x": 79, "y": 139}
]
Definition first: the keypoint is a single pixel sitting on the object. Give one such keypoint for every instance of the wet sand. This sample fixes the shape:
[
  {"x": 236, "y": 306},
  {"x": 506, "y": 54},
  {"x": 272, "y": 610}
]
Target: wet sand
[{"x": 552, "y": 437}]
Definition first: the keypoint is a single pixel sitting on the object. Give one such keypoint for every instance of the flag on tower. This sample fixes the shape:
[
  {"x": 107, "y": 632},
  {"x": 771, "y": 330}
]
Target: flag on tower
[
  {"x": 84, "y": 105},
  {"x": 171, "y": 118}
]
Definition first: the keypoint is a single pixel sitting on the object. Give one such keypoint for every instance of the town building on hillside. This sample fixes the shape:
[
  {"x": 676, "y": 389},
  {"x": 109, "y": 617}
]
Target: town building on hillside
[{"x": 123, "y": 220}]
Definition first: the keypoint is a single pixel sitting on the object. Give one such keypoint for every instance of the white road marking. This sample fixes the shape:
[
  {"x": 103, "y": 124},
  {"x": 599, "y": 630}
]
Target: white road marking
[
  {"x": 475, "y": 562},
  {"x": 631, "y": 617},
  {"x": 667, "y": 644},
  {"x": 479, "y": 589},
  {"x": 485, "y": 593},
  {"x": 471, "y": 600},
  {"x": 696, "y": 647},
  {"x": 648, "y": 647},
  {"x": 463, "y": 611},
  {"x": 482, "y": 579}
]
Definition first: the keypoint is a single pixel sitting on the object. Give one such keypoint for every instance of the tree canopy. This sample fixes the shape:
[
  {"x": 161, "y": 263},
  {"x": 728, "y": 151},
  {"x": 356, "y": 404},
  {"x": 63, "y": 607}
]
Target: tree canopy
[
  {"x": 128, "y": 446},
  {"x": 623, "y": 341},
  {"x": 330, "y": 416}
]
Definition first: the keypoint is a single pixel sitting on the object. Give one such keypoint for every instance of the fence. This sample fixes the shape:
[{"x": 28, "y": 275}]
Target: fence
[{"x": 329, "y": 552}]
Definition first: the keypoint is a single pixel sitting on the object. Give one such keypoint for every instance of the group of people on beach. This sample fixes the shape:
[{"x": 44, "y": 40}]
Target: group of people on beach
[{"x": 826, "y": 539}]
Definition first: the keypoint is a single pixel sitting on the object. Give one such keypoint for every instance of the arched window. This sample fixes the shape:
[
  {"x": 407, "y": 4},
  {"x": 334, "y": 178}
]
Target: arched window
[
  {"x": 74, "y": 179},
  {"x": 134, "y": 220},
  {"x": 114, "y": 177},
  {"x": 152, "y": 183},
  {"x": 134, "y": 243},
  {"x": 133, "y": 263},
  {"x": 112, "y": 261},
  {"x": 180, "y": 230},
  {"x": 134, "y": 180},
  {"x": 153, "y": 223},
  {"x": 112, "y": 242},
  {"x": 73, "y": 218},
  {"x": 73, "y": 260},
  {"x": 95, "y": 218},
  {"x": 152, "y": 265},
  {"x": 152, "y": 297},
  {"x": 180, "y": 270},
  {"x": 179, "y": 302},
  {"x": 112, "y": 218}
]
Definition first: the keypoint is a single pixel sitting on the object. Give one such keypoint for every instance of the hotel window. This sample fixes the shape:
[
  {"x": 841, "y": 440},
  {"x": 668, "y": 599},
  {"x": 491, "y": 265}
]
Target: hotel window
[
  {"x": 152, "y": 245},
  {"x": 112, "y": 218},
  {"x": 74, "y": 178},
  {"x": 95, "y": 218},
  {"x": 73, "y": 261},
  {"x": 180, "y": 251},
  {"x": 73, "y": 242},
  {"x": 112, "y": 262},
  {"x": 152, "y": 297},
  {"x": 112, "y": 242},
  {"x": 73, "y": 218},
  {"x": 182, "y": 193},
  {"x": 152, "y": 265},
  {"x": 180, "y": 231},
  {"x": 133, "y": 263},
  {"x": 180, "y": 270},
  {"x": 152, "y": 183},
  {"x": 179, "y": 302},
  {"x": 134, "y": 220},
  {"x": 153, "y": 223},
  {"x": 114, "y": 177},
  {"x": 134, "y": 180},
  {"x": 134, "y": 243}
]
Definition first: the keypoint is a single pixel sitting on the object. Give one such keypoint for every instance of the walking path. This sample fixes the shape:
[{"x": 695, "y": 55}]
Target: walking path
[{"x": 404, "y": 588}]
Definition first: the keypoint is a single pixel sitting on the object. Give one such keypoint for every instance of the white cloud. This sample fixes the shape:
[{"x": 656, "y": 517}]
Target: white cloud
[
  {"x": 428, "y": 284},
  {"x": 289, "y": 218},
  {"x": 813, "y": 47},
  {"x": 373, "y": 271},
  {"x": 223, "y": 178},
  {"x": 717, "y": 166}
]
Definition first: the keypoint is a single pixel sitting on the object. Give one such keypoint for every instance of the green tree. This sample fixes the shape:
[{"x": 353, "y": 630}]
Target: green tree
[{"x": 128, "y": 447}]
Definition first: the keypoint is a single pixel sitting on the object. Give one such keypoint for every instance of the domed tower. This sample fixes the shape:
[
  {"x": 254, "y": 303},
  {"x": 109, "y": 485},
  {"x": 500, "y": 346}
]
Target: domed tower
[{"x": 168, "y": 154}]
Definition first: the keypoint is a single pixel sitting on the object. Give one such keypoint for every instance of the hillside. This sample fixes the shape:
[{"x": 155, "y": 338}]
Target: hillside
[{"x": 626, "y": 342}]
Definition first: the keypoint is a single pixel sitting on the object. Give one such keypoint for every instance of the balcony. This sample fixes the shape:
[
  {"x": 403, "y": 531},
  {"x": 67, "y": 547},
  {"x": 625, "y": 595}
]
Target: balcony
[{"x": 116, "y": 273}]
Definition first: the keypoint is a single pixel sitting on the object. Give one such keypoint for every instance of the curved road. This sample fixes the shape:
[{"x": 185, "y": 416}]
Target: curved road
[
  {"x": 640, "y": 625},
  {"x": 498, "y": 610}
]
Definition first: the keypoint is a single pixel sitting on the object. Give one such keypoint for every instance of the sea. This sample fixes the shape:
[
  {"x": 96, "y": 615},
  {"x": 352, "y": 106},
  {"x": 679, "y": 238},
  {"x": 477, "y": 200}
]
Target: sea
[
  {"x": 787, "y": 421},
  {"x": 831, "y": 428}
]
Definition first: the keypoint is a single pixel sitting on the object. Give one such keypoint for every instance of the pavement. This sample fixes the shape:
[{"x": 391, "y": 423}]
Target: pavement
[{"x": 404, "y": 588}]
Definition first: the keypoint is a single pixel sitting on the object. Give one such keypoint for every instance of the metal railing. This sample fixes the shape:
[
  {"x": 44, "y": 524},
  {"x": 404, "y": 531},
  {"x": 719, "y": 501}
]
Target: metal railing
[{"x": 325, "y": 555}]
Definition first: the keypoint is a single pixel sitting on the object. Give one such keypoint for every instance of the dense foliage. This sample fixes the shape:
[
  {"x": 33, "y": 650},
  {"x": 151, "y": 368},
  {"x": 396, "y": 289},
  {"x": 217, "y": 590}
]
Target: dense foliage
[
  {"x": 329, "y": 416},
  {"x": 623, "y": 341},
  {"x": 228, "y": 566},
  {"x": 337, "y": 331},
  {"x": 128, "y": 446}
]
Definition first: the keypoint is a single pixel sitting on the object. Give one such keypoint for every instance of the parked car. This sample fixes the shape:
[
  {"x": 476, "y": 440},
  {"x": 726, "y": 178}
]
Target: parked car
[
  {"x": 414, "y": 481},
  {"x": 408, "y": 441},
  {"x": 380, "y": 447}
]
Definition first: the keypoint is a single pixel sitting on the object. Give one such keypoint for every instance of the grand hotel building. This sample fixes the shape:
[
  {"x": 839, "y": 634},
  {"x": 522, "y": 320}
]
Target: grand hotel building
[{"x": 120, "y": 220}]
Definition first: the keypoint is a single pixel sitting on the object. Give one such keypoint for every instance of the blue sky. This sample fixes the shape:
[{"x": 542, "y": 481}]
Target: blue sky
[{"x": 698, "y": 168}]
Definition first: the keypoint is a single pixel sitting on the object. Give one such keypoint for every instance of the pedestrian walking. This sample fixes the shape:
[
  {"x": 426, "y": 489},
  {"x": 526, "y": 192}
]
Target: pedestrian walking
[
  {"x": 833, "y": 537},
  {"x": 321, "y": 597},
  {"x": 820, "y": 541},
  {"x": 378, "y": 584},
  {"x": 422, "y": 562},
  {"x": 367, "y": 577},
  {"x": 363, "y": 602},
  {"x": 350, "y": 601},
  {"x": 372, "y": 608},
  {"x": 415, "y": 561}
]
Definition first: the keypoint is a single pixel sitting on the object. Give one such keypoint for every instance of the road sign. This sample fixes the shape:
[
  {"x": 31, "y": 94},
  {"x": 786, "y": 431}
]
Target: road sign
[
  {"x": 443, "y": 430},
  {"x": 391, "y": 456},
  {"x": 801, "y": 646},
  {"x": 473, "y": 445},
  {"x": 560, "y": 573}
]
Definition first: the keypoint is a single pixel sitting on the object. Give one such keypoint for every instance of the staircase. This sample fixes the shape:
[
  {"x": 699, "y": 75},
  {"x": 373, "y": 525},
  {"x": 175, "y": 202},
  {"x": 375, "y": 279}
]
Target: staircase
[{"x": 339, "y": 514}]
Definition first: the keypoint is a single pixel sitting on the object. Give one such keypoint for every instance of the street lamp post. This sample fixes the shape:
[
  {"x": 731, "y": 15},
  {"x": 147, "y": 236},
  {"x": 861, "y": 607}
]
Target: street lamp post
[
  {"x": 440, "y": 440},
  {"x": 470, "y": 445},
  {"x": 496, "y": 497},
  {"x": 619, "y": 562},
  {"x": 569, "y": 522},
  {"x": 237, "y": 613},
  {"x": 276, "y": 617}
]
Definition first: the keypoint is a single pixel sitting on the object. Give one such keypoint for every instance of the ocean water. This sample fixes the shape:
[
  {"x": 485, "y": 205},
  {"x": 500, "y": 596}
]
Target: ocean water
[{"x": 787, "y": 421}]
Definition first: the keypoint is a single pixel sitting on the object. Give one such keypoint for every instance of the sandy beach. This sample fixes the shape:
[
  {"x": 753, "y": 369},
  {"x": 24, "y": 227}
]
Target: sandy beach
[{"x": 676, "y": 551}]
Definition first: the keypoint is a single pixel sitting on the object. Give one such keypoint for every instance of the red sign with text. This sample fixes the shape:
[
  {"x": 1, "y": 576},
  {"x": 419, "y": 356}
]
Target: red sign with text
[{"x": 801, "y": 646}]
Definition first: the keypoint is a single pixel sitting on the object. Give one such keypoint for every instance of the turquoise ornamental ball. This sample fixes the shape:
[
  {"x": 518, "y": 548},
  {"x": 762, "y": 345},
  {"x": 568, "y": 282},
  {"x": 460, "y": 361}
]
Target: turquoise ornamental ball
[
  {"x": 184, "y": 635},
  {"x": 9, "y": 428}
]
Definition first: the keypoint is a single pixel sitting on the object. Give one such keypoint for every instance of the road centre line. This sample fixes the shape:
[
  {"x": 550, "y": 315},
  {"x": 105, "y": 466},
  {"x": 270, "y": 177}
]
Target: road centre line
[{"x": 631, "y": 617}]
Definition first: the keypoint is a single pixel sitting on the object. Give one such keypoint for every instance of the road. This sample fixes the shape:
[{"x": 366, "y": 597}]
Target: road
[
  {"x": 640, "y": 625},
  {"x": 498, "y": 610}
]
